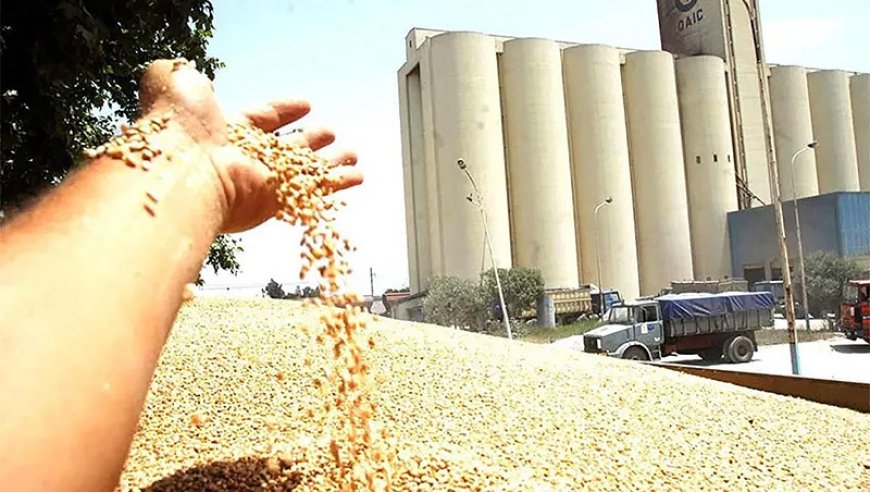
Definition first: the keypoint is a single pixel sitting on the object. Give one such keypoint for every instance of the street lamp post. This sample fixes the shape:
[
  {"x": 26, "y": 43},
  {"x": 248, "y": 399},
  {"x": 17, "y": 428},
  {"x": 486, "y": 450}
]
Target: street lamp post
[
  {"x": 797, "y": 222},
  {"x": 606, "y": 201},
  {"x": 477, "y": 199}
]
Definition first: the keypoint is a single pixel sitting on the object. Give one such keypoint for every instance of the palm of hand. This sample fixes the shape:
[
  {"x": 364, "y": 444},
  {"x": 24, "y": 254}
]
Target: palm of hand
[{"x": 248, "y": 192}]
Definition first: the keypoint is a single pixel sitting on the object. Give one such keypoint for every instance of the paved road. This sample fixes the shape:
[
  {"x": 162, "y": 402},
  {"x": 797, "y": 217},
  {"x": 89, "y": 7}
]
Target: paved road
[{"x": 837, "y": 358}]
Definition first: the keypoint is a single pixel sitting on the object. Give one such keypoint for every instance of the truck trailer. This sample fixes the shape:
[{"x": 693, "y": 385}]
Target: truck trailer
[
  {"x": 709, "y": 325},
  {"x": 571, "y": 304}
]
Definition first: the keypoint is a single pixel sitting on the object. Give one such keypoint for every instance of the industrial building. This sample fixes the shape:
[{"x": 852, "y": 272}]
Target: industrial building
[
  {"x": 549, "y": 130},
  {"x": 838, "y": 223}
]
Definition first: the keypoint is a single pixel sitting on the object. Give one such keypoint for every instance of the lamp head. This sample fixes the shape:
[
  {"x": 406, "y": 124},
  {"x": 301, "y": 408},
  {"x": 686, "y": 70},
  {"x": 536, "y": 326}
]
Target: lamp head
[
  {"x": 609, "y": 199},
  {"x": 814, "y": 144},
  {"x": 461, "y": 164},
  {"x": 470, "y": 200}
]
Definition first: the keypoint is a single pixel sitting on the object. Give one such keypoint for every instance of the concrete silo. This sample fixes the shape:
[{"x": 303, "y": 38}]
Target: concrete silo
[
  {"x": 793, "y": 130},
  {"x": 861, "y": 115},
  {"x": 466, "y": 123},
  {"x": 656, "y": 149},
  {"x": 600, "y": 165},
  {"x": 708, "y": 148},
  {"x": 539, "y": 166},
  {"x": 831, "y": 108}
]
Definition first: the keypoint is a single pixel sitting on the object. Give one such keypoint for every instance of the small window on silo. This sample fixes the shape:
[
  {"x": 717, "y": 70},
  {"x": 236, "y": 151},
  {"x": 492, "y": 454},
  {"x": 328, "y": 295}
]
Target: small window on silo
[
  {"x": 729, "y": 157},
  {"x": 697, "y": 159},
  {"x": 715, "y": 157}
]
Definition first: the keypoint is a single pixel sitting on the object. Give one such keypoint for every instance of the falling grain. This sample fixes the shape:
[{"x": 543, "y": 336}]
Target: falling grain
[{"x": 362, "y": 454}]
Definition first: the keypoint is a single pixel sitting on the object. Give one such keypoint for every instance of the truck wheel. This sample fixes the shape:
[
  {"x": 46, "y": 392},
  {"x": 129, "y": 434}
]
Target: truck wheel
[
  {"x": 726, "y": 348},
  {"x": 634, "y": 353},
  {"x": 851, "y": 336},
  {"x": 711, "y": 354},
  {"x": 740, "y": 350}
]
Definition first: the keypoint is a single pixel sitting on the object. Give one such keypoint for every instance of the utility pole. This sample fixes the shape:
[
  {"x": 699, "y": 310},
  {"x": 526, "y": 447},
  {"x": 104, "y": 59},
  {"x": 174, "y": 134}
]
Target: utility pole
[
  {"x": 773, "y": 175},
  {"x": 372, "y": 282}
]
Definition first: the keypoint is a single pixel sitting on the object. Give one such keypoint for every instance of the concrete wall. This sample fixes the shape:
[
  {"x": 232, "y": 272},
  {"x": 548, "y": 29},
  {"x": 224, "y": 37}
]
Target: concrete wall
[
  {"x": 831, "y": 109},
  {"x": 723, "y": 28},
  {"x": 860, "y": 86},
  {"x": 466, "y": 124},
  {"x": 433, "y": 198},
  {"x": 793, "y": 130},
  {"x": 539, "y": 167},
  {"x": 599, "y": 154},
  {"x": 658, "y": 177},
  {"x": 414, "y": 173},
  {"x": 708, "y": 162},
  {"x": 407, "y": 184},
  {"x": 748, "y": 98},
  {"x": 692, "y": 28}
]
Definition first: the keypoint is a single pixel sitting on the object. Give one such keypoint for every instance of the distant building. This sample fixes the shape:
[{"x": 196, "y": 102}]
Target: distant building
[
  {"x": 411, "y": 307},
  {"x": 836, "y": 222},
  {"x": 677, "y": 138}
]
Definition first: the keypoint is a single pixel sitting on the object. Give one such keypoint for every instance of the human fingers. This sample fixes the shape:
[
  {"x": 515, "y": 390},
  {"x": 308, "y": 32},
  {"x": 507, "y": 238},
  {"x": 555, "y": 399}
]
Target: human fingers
[
  {"x": 346, "y": 158},
  {"x": 277, "y": 114},
  {"x": 344, "y": 177},
  {"x": 315, "y": 139}
]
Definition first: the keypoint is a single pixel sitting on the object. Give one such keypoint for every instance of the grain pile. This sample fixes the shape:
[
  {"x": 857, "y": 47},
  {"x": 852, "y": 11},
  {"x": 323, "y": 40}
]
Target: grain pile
[
  {"x": 243, "y": 400},
  {"x": 228, "y": 410}
]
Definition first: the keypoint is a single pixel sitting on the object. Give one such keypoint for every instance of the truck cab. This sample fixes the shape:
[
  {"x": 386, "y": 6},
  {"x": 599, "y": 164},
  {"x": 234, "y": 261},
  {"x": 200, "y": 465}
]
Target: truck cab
[
  {"x": 632, "y": 330},
  {"x": 602, "y": 301},
  {"x": 855, "y": 311}
]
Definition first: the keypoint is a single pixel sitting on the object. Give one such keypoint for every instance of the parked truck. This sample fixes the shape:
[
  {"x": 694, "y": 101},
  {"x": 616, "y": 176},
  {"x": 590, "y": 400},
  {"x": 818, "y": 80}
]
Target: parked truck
[
  {"x": 855, "y": 311},
  {"x": 709, "y": 325},
  {"x": 571, "y": 304}
]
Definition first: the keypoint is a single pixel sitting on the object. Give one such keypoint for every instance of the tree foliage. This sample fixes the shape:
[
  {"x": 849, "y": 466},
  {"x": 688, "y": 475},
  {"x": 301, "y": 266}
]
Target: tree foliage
[
  {"x": 456, "y": 302},
  {"x": 522, "y": 288},
  {"x": 71, "y": 71},
  {"x": 222, "y": 255},
  {"x": 827, "y": 275},
  {"x": 274, "y": 290}
]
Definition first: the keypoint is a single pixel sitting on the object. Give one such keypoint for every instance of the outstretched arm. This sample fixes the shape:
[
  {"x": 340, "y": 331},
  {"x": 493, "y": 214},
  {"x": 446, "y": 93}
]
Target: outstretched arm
[{"x": 92, "y": 277}]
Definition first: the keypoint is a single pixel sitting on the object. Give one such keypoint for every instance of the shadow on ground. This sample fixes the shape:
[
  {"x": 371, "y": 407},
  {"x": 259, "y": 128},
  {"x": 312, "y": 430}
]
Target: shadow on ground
[
  {"x": 246, "y": 474},
  {"x": 844, "y": 348},
  {"x": 717, "y": 364}
]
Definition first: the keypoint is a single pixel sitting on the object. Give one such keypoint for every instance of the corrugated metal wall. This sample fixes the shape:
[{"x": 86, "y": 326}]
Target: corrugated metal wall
[{"x": 853, "y": 216}]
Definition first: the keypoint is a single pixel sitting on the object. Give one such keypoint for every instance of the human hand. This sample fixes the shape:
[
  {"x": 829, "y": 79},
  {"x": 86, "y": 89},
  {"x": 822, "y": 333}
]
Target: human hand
[{"x": 247, "y": 194}]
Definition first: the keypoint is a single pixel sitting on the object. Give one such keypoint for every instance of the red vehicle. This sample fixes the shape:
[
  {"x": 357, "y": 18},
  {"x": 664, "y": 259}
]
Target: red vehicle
[{"x": 855, "y": 312}]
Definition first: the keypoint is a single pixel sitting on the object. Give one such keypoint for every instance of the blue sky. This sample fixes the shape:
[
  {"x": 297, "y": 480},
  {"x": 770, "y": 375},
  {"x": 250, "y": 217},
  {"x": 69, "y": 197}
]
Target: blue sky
[{"x": 343, "y": 55}]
